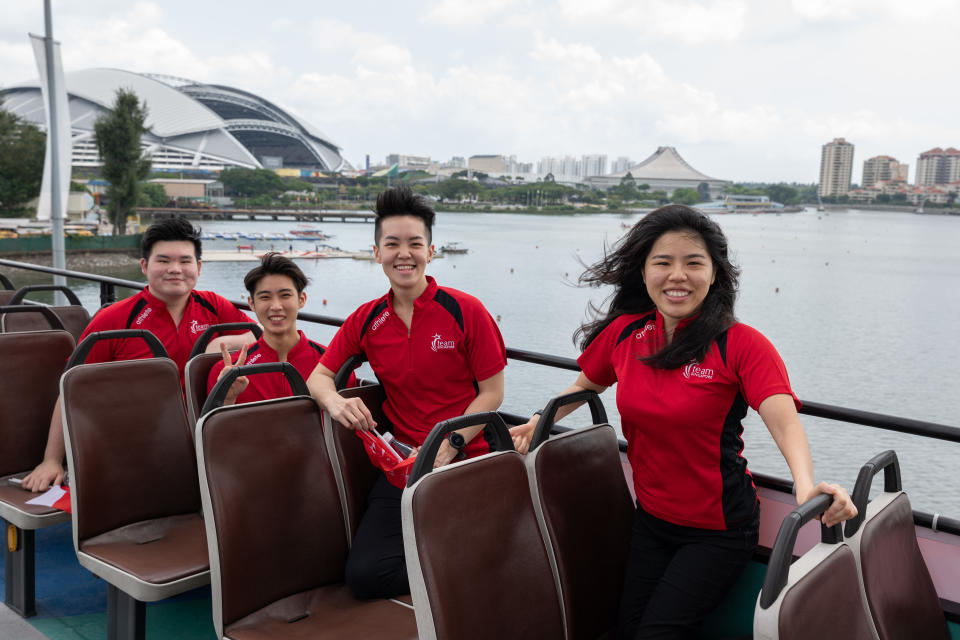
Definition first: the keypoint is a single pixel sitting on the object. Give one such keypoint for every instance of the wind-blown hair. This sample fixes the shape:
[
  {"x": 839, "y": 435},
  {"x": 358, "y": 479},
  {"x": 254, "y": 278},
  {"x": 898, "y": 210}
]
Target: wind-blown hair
[
  {"x": 173, "y": 229},
  {"x": 622, "y": 267},
  {"x": 402, "y": 201}
]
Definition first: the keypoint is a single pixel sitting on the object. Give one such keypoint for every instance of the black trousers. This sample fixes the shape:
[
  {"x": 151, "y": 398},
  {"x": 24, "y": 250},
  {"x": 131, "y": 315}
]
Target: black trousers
[
  {"x": 676, "y": 576},
  {"x": 376, "y": 567}
]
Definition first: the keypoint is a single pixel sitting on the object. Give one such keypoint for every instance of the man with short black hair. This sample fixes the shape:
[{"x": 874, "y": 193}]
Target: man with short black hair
[
  {"x": 169, "y": 307},
  {"x": 437, "y": 353},
  {"x": 276, "y": 287}
]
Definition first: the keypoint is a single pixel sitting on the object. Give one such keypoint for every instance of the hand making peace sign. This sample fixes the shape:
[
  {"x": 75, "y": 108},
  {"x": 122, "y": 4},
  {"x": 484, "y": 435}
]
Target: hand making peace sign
[{"x": 240, "y": 383}]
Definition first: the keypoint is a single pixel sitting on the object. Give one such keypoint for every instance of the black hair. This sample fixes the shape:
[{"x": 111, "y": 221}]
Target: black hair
[
  {"x": 275, "y": 264},
  {"x": 622, "y": 267},
  {"x": 173, "y": 229},
  {"x": 402, "y": 201}
]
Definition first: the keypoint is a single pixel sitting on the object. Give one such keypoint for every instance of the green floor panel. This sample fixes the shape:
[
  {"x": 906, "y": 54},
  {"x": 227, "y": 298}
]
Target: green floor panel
[{"x": 188, "y": 620}]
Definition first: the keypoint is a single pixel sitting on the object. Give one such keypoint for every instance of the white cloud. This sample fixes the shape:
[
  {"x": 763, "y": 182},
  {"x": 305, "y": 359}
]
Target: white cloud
[
  {"x": 685, "y": 21},
  {"x": 874, "y": 10},
  {"x": 459, "y": 13}
]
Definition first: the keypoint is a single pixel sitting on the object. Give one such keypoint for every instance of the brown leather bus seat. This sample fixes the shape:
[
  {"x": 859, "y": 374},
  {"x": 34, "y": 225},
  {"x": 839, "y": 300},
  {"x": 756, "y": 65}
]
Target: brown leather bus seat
[
  {"x": 75, "y": 319},
  {"x": 356, "y": 474},
  {"x": 275, "y": 529},
  {"x": 195, "y": 375},
  {"x": 5, "y": 295},
  {"x": 32, "y": 363},
  {"x": 476, "y": 560},
  {"x": 818, "y": 596},
  {"x": 899, "y": 590},
  {"x": 134, "y": 488},
  {"x": 585, "y": 514}
]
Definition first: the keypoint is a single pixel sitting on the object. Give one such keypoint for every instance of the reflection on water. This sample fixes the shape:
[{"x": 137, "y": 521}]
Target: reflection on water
[{"x": 861, "y": 305}]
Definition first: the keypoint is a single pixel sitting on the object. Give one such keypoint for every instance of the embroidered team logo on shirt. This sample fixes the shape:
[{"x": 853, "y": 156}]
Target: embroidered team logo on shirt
[
  {"x": 196, "y": 327},
  {"x": 143, "y": 316},
  {"x": 254, "y": 358},
  {"x": 694, "y": 370},
  {"x": 439, "y": 344}
]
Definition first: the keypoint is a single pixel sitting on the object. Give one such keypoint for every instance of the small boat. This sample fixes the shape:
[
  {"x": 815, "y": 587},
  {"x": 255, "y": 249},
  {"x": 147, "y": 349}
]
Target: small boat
[
  {"x": 308, "y": 234},
  {"x": 453, "y": 247}
]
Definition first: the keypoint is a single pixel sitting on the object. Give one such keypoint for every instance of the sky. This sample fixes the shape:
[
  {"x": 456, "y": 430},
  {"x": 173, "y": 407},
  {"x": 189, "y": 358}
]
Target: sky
[{"x": 746, "y": 90}]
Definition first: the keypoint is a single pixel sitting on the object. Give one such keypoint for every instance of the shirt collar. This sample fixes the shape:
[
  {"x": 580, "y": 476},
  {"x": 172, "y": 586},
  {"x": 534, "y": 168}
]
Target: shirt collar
[
  {"x": 271, "y": 352},
  {"x": 424, "y": 298}
]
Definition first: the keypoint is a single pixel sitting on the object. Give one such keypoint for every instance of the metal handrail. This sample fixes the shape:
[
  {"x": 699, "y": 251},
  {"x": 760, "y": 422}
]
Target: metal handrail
[{"x": 831, "y": 412}]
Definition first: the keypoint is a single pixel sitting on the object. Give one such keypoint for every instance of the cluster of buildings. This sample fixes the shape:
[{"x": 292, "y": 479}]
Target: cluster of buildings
[{"x": 937, "y": 177}]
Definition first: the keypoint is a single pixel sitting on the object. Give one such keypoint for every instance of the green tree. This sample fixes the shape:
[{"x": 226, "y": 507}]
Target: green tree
[
  {"x": 152, "y": 195},
  {"x": 117, "y": 135},
  {"x": 22, "y": 147},
  {"x": 686, "y": 196},
  {"x": 251, "y": 183},
  {"x": 782, "y": 193}
]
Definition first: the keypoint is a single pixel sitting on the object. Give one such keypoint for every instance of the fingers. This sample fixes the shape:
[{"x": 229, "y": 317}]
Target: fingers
[
  {"x": 243, "y": 356},
  {"x": 841, "y": 509},
  {"x": 353, "y": 414},
  {"x": 225, "y": 354}
]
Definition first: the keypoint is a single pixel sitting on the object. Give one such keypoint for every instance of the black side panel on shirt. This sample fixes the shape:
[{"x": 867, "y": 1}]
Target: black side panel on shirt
[
  {"x": 203, "y": 303},
  {"x": 315, "y": 347},
  {"x": 450, "y": 303},
  {"x": 722, "y": 346},
  {"x": 633, "y": 326},
  {"x": 739, "y": 494},
  {"x": 377, "y": 310},
  {"x": 137, "y": 308},
  {"x": 253, "y": 349}
]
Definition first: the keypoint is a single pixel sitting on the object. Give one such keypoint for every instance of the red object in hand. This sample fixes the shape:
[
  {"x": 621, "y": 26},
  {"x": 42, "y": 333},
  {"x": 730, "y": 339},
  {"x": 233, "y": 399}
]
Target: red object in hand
[{"x": 384, "y": 457}]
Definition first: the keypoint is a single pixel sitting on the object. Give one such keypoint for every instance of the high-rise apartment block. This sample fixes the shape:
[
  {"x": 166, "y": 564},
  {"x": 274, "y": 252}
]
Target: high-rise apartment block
[
  {"x": 836, "y": 167},
  {"x": 938, "y": 167},
  {"x": 593, "y": 165},
  {"x": 620, "y": 164},
  {"x": 883, "y": 169}
]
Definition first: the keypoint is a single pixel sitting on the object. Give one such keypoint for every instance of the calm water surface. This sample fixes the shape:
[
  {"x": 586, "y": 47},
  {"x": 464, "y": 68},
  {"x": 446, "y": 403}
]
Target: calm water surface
[{"x": 862, "y": 306}]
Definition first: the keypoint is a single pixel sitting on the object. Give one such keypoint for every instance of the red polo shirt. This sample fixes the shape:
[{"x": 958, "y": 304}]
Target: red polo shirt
[
  {"x": 265, "y": 386},
  {"x": 683, "y": 426},
  {"x": 145, "y": 311},
  {"x": 430, "y": 373}
]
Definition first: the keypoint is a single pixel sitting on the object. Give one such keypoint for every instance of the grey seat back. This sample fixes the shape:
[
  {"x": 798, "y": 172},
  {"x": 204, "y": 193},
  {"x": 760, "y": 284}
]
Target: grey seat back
[
  {"x": 271, "y": 505},
  {"x": 476, "y": 560},
  {"x": 130, "y": 449},
  {"x": 818, "y": 596},
  {"x": 33, "y": 362},
  {"x": 899, "y": 591},
  {"x": 585, "y": 513}
]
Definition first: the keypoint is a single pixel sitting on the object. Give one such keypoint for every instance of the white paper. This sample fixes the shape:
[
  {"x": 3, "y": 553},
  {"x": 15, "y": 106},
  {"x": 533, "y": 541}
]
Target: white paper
[{"x": 47, "y": 499}]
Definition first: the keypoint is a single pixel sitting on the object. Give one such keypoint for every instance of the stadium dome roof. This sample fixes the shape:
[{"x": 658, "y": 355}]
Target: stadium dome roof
[{"x": 191, "y": 125}]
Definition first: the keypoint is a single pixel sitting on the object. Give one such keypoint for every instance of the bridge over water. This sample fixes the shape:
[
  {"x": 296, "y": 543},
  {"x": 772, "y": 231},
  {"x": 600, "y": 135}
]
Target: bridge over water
[{"x": 299, "y": 215}]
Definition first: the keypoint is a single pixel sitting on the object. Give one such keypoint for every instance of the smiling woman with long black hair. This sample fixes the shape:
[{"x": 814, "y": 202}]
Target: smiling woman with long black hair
[{"x": 686, "y": 372}]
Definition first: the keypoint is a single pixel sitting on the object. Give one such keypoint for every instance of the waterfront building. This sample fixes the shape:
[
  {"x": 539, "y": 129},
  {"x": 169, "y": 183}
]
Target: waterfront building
[
  {"x": 666, "y": 171},
  {"x": 488, "y": 164},
  {"x": 938, "y": 167},
  {"x": 836, "y": 168},
  {"x": 408, "y": 163},
  {"x": 191, "y": 126},
  {"x": 883, "y": 169}
]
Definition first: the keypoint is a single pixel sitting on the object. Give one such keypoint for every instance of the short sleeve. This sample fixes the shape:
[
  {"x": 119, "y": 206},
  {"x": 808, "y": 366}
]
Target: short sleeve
[
  {"x": 596, "y": 361},
  {"x": 226, "y": 312},
  {"x": 103, "y": 350},
  {"x": 346, "y": 342},
  {"x": 486, "y": 351},
  {"x": 756, "y": 362}
]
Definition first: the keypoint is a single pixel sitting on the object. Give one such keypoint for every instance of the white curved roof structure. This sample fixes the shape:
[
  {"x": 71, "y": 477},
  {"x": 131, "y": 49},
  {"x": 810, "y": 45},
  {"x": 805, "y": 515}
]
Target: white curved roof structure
[
  {"x": 191, "y": 125},
  {"x": 663, "y": 164}
]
